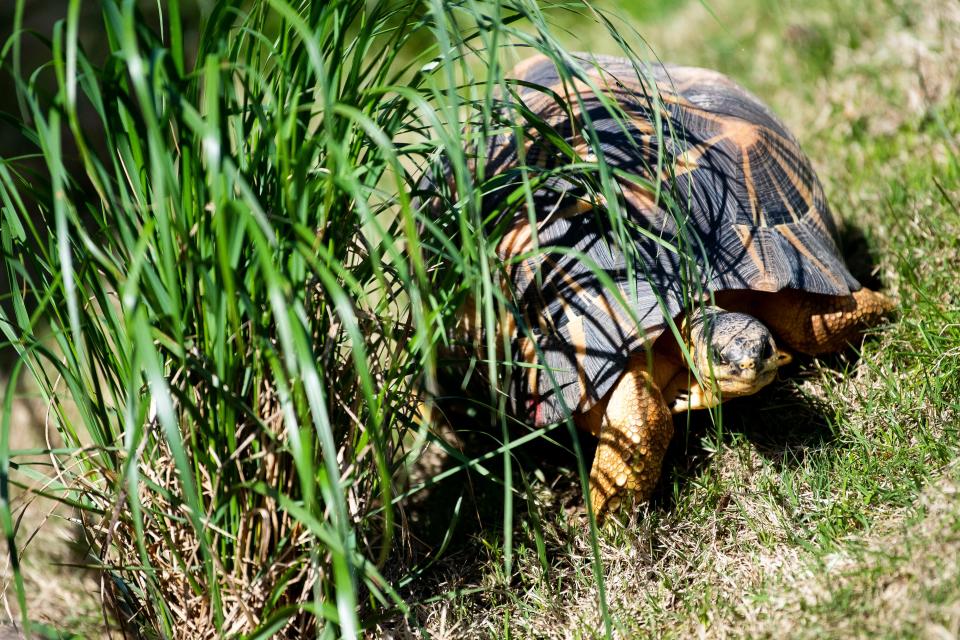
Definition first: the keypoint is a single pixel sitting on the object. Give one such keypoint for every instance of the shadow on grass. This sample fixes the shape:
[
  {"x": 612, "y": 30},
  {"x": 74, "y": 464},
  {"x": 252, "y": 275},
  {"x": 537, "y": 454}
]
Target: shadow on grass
[
  {"x": 860, "y": 257},
  {"x": 781, "y": 421},
  {"x": 456, "y": 526},
  {"x": 463, "y": 516}
]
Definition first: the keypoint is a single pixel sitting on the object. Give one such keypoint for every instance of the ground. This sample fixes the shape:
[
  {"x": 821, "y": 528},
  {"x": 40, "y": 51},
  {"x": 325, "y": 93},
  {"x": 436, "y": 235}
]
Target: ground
[
  {"x": 63, "y": 598},
  {"x": 827, "y": 505}
]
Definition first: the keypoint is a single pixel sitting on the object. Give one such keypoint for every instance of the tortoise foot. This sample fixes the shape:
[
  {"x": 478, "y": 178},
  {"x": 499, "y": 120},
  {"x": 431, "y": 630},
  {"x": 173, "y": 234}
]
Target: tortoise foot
[
  {"x": 825, "y": 325},
  {"x": 634, "y": 434}
]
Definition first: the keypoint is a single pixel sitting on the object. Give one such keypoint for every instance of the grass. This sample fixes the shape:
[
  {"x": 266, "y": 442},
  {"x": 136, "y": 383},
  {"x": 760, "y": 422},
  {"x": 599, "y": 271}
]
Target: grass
[
  {"x": 220, "y": 282},
  {"x": 230, "y": 307},
  {"x": 826, "y": 506}
]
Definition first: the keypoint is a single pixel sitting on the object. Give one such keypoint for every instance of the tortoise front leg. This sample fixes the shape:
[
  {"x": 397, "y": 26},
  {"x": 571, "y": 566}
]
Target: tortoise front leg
[
  {"x": 635, "y": 428},
  {"x": 821, "y": 324},
  {"x": 687, "y": 394}
]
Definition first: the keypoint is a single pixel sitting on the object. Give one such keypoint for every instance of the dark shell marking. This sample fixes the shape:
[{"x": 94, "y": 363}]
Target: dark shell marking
[{"x": 755, "y": 218}]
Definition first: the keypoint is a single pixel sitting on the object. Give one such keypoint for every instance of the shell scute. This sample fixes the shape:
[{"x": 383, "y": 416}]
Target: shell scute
[{"x": 752, "y": 215}]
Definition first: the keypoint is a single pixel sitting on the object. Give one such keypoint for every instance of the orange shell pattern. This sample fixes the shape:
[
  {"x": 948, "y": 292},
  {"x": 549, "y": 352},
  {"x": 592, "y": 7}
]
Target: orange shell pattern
[{"x": 747, "y": 206}]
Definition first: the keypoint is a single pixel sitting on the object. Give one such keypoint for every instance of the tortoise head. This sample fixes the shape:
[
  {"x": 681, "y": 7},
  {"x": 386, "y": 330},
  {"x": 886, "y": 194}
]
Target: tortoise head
[{"x": 735, "y": 349}]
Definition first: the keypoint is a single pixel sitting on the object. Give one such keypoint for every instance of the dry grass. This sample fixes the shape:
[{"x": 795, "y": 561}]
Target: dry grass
[
  {"x": 900, "y": 581},
  {"x": 64, "y": 595},
  {"x": 827, "y": 506}
]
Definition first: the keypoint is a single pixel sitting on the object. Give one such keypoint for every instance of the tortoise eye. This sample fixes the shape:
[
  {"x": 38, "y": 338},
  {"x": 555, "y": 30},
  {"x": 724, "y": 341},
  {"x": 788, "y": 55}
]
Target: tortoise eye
[
  {"x": 717, "y": 356},
  {"x": 767, "y": 351}
]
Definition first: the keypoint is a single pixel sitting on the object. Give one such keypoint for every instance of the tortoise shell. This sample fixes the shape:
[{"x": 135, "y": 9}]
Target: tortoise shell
[{"x": 749, "y": 210}]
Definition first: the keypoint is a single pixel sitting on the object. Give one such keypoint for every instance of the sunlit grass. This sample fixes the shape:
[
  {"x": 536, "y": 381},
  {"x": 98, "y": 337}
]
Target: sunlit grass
[
  {"x": 226, "y": 285},
  {"x": 826, "y": 506}
]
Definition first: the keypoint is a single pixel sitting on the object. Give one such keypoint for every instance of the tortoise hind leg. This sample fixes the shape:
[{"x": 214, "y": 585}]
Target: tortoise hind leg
[
  {"x": 635, "y": 428},
  {"x": 815, "y": 324}
]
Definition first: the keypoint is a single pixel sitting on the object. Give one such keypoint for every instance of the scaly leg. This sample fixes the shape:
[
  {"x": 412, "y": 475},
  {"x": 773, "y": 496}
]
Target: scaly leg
[
  {"x": 635, "y": 428},
  {"x": 685, "y": 393},
  {"x": 815, "y": 325}
]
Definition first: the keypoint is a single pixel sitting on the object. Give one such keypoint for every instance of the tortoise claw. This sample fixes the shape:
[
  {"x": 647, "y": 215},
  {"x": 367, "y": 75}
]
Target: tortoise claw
[{"x": 681, "y": 402}]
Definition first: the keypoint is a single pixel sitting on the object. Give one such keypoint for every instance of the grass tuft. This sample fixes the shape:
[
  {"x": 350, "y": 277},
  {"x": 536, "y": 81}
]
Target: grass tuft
[{"x": 224, "y": 285}]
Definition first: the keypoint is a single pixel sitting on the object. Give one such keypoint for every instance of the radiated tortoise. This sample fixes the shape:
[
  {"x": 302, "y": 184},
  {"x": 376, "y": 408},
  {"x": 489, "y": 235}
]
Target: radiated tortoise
[{"x": 729, "y": 235}]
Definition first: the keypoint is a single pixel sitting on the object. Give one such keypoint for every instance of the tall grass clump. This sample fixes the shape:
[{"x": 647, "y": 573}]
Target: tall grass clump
[{"x": 223, "y": 280}]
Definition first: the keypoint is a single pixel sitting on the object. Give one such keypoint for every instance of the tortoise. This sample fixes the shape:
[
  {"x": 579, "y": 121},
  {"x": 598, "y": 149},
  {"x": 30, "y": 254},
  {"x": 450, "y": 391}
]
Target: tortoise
[{"x": 757, "y": 277}]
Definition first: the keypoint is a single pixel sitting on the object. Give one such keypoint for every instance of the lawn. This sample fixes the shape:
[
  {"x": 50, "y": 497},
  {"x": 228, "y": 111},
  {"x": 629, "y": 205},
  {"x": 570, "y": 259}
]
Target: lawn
[{"x": 828, "y": 505}]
